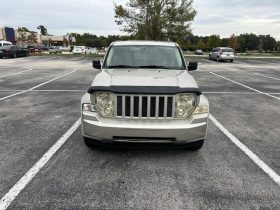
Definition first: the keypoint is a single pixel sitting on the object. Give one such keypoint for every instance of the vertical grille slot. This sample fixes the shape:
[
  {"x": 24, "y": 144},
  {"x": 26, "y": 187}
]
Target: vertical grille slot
[
  {"x": 169, "y": 106},
  {"x": 144, "y": 106},
  {"x": 136, "y": 107},
  {"x": 153, "y": 107},
  {"x": 161, "y": 107},
  {"x": 127, "y": 106},
  {"x": 119, "y": 106}
]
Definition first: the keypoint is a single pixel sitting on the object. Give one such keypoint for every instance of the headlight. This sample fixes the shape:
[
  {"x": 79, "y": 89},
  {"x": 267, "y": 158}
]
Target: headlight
[
  {"x": 89, "y": 108},
  {"x": 184, "y": 104},
  {"x": 104, "y": 103}
]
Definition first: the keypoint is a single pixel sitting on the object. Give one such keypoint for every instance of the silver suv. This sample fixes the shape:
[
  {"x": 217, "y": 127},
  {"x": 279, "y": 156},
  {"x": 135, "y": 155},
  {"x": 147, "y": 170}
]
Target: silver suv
[
  {"x": 144, "y": 93},
  {"x": 221, "y": 54}
]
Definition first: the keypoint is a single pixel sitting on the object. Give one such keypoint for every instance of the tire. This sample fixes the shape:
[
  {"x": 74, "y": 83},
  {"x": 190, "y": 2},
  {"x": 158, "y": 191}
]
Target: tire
[
  {"x": 210, "y": 58},
  {"x": 14, "y": 55},
  {"x": 217, "y": 59},
  {"x": 231, "y": 61},
  {"x": 26, "y": 54},
  {"x": 196, "y": 145}
]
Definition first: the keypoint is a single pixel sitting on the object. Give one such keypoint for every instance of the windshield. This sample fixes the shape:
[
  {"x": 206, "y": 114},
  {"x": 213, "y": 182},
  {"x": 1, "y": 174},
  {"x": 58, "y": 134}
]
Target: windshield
[
  {"x": 228, "y": 50},
  {"x": 153, "y": 57}
]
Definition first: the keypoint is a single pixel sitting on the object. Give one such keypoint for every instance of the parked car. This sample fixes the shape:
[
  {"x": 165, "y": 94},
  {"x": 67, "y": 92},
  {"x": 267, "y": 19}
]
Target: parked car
[
  {"x": 65, "y": 49},
  {"x": 5, "y": 43},
  {"x": 91, "y": 50},
  {"x": 198, "y": 52},
  {"x": 13, "y": 51},
  {"x": 44, "y": 48},
  {"x": 221, "y": 54},
  {"x": 54, "y": 50},
  {"x": 79, "y": 50},
  {"x": 144, "y": 93}
]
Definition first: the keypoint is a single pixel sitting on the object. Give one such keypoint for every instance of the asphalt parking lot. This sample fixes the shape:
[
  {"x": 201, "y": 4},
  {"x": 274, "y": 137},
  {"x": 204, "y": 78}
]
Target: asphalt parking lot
[{"x": 238, "y": 167}]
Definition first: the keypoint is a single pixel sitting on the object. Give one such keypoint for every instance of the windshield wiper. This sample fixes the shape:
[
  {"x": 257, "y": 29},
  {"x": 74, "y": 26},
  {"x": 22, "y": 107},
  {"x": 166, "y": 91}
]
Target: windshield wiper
[
  {"x": 154, "y": 67},
  {"x": 122, "y": 66}
]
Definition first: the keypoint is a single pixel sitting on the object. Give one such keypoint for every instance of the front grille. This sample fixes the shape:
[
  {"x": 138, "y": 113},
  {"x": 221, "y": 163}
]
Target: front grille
[{"x": 144, "y": 106}]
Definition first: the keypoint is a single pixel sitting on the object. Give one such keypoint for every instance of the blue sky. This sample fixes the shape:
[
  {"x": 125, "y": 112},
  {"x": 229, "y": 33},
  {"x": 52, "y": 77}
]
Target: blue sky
[{"x": 223, "y": 17}]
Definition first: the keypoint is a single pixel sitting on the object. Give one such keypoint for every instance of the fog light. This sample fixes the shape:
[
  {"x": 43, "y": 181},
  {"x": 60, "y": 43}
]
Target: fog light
[
  {"x": 180, "y": 112},
  {"x": 108, "y": 110}
]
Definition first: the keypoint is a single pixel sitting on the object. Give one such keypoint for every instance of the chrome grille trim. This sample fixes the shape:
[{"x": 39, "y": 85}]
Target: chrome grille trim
[{"x": 160, "y": 110}]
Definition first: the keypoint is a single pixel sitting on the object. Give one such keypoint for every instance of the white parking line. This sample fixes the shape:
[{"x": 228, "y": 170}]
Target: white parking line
[
  {"x": 74, "y": 59},
  {"x": 239, "y": 62},
  {"x": 259, "y": 61},
  {"x": 258, "y": 91},
  {"x": 20, "y": 72},
  {"x": 273, "y": 175},
  {"x": 208, "y": 61},
  {"x": 8, "y": 198},
  {"x": 262, "y": 75},
  {"x": 24, "y": 91}
]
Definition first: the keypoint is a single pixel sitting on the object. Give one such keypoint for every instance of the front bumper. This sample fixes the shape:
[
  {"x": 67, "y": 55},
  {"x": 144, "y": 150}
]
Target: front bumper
[{"x": 146, "y": 131}]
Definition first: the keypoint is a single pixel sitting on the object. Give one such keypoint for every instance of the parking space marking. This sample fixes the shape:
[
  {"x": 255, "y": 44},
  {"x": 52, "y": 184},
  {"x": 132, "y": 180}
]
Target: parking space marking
[
  {"x": 74, "y": 59},
  {"x": 24, "y": 91},
  {"x": 208, "y": 61},
  {"x": 20, "y": 72},
  {"x": 239, "y": 62},
  {"x": 8, "y": 198},
  {"x": 269, "y": 171},
  {"x": 245, "y": 86},
  {"x": 262, "y": 75},
  {"x": 259, "y": 61}
]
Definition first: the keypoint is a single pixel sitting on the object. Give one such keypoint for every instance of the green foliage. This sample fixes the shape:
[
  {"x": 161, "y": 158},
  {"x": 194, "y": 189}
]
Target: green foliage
[
  {"x": 213, "y": 41},
  {"x": 266, "y": 43},
  {"x": 91, "y": 40},
  {"x": 43, "y": 30},
  {"x": 156, "y": 19},
  {"x": 22, "y": 32},
  {"x": 233, "y": 42},
  {"x": 278, "y": 46},
  {"x": 31, "y": 37},
  {"x": 201, "y": 45},
  {"x": 248, "y": 42}
]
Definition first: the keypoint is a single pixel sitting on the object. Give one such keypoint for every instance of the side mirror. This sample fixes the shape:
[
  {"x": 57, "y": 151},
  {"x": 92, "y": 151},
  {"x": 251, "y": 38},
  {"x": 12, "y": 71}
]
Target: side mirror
[
  {"x": 96, "y": 64},
  {"x": 192, "y": 66}
]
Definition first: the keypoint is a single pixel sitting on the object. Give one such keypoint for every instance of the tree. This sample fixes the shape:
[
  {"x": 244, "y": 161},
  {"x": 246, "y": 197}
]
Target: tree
[
  {"x": 22, "y": 32},
  {"x": 233, "y": 42},
  {"x": 278, "y": 46},
  {"x": 267, "y": 43},
  {"x": 31, "y": 37},
  {"x": 156, "y": 19},
  {"x": 249, "y": 42},
  {"x": 43, "y": 30},
  {"x": 213, "y": 41},
  {"x": 201, "y": 45}
]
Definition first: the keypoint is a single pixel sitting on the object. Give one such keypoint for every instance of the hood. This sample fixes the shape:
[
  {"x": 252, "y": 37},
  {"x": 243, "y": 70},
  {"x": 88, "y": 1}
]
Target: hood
[{"x": 144, "y": 77}]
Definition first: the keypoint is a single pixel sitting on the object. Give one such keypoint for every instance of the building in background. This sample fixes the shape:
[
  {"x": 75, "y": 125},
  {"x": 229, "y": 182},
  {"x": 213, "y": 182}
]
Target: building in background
[{"x": 29, "y": 37}]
